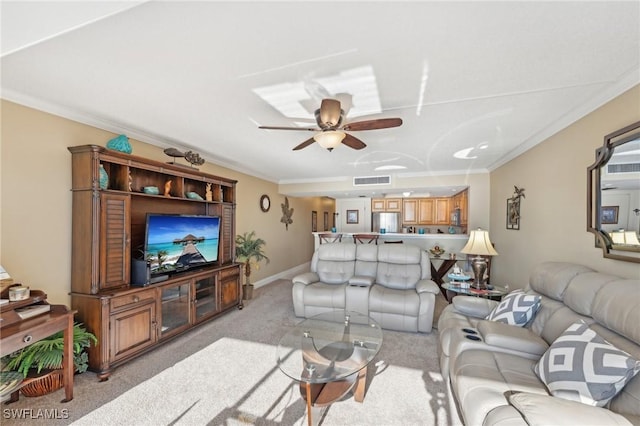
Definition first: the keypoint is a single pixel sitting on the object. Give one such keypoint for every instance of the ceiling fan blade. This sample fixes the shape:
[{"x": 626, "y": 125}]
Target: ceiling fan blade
[
  {"x": 330, "y": 113},
  {"x": 307, "y": 129},
  {"x": 353, "y": 142},
  {"x": 304, "y": 144},
  {"x": 381, "y": 123}
]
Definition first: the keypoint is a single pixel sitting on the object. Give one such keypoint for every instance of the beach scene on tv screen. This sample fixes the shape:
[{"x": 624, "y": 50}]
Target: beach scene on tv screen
[{"x": 181, "y": 241}]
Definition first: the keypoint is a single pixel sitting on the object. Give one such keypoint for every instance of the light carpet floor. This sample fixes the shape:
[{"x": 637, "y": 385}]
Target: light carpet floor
[{"x": 225, "y": 373}]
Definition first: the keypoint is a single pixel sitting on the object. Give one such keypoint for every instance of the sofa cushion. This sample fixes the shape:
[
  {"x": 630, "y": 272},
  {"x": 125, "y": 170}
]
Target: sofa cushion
[
  {"x": 548, "y": 410},
  {"x": 552, "y": 278},
  {"x": 616, "y": 307},
  {"x": 389, "y": 300},
  {"x": 480, "y": 378},
  {"x": 516, "y": 308},
  {"x": 476, "y": 307},
  {"x": 335, "y": 262},
  {"x": 582, "y": 366},
  {"x": 325, "y": 295}
]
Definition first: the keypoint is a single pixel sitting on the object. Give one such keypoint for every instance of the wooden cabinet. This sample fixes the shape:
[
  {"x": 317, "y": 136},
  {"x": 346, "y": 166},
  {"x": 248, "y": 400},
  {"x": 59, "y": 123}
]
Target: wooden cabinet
[
  {"x": 386, "y": 205},
  {"x": 132, "y": 330},
  {"x": 108, "y": 230},
  {"x": 410, "y": 211},
  {"x": 114, "y": 251},
  {"x": 441, "y": 211},
  {"x": 459, "y": 207},
  {"x": 425, "y": 211}
]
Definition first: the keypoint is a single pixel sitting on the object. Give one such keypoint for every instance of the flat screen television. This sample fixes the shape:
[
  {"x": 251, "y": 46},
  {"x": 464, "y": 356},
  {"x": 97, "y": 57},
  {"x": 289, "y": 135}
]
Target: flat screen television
[{"x": 175, "y": 243}]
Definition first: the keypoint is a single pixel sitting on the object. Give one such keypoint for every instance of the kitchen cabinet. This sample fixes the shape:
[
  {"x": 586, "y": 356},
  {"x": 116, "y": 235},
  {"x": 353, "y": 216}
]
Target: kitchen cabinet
[
  {"x": 441, "y": 211},
  {"x": 460, "y": 202},
  {"x": 386, "y": 205},
  {"x": 410, "y": 211}
]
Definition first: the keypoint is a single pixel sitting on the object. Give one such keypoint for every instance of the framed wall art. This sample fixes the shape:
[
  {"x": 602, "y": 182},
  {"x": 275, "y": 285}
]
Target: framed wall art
[
  {"x": 326, "y": 221},
  {"x": 609, "y": 215},
  {"x": 352, "y": 216},
  {"x": 513, "y": 214},
  {"x": 314, "y": 221}
]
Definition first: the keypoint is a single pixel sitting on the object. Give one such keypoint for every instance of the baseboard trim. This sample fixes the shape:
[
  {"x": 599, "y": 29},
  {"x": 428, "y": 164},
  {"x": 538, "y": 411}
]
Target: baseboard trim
[{"x": 287, "y": 274}]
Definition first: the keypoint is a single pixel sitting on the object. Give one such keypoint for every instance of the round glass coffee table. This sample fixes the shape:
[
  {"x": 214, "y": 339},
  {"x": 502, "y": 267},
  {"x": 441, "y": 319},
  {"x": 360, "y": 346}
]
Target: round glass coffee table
[{"x": 329, "y": 354}]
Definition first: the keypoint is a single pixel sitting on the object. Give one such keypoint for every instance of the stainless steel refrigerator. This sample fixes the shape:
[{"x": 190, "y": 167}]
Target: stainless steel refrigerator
[{"x": 391, "y": 222}]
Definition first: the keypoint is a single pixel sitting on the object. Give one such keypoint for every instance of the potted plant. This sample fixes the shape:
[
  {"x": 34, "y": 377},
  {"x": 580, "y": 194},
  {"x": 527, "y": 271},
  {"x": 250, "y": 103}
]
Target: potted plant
[
  {"x": 41, "y": 362},
  {"x": 249, "y": 249}
]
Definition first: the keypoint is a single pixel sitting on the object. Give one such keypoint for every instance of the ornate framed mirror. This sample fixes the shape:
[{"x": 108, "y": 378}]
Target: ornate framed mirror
[{"x": 613, "y": 195}]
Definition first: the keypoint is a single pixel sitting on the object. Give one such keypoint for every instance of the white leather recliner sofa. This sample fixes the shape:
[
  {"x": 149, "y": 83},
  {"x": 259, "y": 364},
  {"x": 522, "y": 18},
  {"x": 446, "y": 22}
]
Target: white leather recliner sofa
[
  {"x": 390, "y": 283},
  {"x": 491, "y": 365}
]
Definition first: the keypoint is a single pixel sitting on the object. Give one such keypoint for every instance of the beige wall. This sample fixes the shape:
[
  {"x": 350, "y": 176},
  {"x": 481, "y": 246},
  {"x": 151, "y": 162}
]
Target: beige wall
[
  {"x": 35, "y": 202},
  {"x": 35, "y": 221},
  {"x": 553, "y": 214}
]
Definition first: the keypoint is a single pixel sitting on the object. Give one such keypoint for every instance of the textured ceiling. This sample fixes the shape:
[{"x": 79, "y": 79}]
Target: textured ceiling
[{"x": 476, "y": 83}]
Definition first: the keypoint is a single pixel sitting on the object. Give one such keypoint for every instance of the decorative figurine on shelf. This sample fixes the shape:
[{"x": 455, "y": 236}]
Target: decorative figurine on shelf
[
  {"x": 167, "y": 188},
  {"x": 193, "y": 158},
  {"x": 209, "y": 193},
  {"x": 130, "y": 181},
  {"x": 457, "y": 270},
  {"x": 103, "y": 178},
  {"x": 436, "y": 251},
  {"x": 120, "y": 143}
]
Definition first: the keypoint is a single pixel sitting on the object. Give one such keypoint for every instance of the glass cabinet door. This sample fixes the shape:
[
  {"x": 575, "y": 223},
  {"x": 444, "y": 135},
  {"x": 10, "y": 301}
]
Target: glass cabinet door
[
  {"x": 206, "y": 300},
  {"x": 175, "y": 309}
]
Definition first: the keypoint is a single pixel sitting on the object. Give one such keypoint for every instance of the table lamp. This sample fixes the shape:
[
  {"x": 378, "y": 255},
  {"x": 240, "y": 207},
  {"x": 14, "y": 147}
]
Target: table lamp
[{"x": 479, "y": 245}]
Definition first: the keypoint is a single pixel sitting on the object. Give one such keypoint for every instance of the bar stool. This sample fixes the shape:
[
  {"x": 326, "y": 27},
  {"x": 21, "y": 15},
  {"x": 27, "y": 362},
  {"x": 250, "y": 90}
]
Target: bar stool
[
  {"x": 330, "y": 238},
  {"x": 365, "y": 238}
]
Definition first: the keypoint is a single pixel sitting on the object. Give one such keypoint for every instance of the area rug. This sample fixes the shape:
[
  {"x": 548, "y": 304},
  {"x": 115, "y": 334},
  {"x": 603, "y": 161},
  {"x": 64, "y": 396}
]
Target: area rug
[{"x": 225, "y": 373}]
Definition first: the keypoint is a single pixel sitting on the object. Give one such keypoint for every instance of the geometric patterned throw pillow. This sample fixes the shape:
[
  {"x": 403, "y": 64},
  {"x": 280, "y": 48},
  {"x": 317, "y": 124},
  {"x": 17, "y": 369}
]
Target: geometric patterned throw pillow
[
  {"x": 516, "y": 308},
  {"x": 582, "y": 366}
]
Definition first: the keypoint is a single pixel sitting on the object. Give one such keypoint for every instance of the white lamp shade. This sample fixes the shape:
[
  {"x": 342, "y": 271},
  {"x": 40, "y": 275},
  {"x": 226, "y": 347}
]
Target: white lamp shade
[
  {"x": 479, "y": 243},
  {"x": 329, "y": 139}
]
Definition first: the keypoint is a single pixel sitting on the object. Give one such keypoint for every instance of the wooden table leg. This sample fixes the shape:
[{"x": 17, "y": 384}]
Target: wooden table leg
[
  {"x": 361, "y": 383},
  {"x": 309, "y": 422},
  {"x": 68, "y": 360}
]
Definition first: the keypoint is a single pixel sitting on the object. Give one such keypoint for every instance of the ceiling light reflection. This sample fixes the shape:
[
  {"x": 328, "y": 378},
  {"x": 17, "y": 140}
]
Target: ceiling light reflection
[
  {"x": 289, "y": 98},
  {"x": 463, "y": 154},
  {"x": 389, "y": 167},
  {"x": 423, "y": 86}
]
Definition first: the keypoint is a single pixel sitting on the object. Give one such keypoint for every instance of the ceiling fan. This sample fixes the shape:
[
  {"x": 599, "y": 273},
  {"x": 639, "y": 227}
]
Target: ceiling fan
[{"x": 331, "y": 131}]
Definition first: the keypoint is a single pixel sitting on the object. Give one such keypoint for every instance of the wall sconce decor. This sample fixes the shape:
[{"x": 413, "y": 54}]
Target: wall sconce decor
[
  {"x": 513, "y": 209},
  {"x": 287, "y": 213}
]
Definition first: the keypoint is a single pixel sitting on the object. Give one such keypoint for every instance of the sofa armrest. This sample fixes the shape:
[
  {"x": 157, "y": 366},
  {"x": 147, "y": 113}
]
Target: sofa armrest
[
  {"x": 476, "y": 307},
  {"x": 361, "y": 281},
  {"x": 427, "y": 286},
  {"x": 538, "y": 409},
  {"x": 306, "y": 278},
  {"x": 511, "y": 337}
]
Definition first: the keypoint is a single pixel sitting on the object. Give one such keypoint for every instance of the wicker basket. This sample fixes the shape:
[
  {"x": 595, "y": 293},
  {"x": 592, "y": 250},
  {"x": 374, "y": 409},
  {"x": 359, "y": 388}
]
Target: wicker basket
[{"x": 42, "y": 385}]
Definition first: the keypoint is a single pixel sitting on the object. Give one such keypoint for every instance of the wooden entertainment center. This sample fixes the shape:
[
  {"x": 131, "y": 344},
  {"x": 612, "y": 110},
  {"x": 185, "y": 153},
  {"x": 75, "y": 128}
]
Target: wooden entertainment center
[{"x": 108, "y": 232}]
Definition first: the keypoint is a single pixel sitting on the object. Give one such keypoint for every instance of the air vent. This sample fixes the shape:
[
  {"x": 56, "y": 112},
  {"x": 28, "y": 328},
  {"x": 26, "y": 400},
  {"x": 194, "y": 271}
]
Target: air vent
[
  {"x": 623, "y": 168},
  {"x": 371, "y": 180}
]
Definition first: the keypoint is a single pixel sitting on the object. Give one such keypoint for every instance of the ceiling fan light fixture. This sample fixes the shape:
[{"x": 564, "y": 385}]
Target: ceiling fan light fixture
[{"x": 329, "y": 139}]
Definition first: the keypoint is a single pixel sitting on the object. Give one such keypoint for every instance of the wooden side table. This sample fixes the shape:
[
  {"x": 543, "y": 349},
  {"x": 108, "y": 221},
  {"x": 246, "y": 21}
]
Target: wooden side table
[{"x": 23, "y": 333}]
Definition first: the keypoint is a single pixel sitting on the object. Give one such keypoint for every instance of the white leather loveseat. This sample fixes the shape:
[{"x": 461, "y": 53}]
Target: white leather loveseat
[
  {"x": 552, "y": 369},
  {"x": 390, "y": 283}
]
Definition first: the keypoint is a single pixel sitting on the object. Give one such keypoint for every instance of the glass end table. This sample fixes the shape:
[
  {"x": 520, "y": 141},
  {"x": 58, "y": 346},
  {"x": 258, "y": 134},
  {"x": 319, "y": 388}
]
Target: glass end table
[
  {"x": 329, "y": 354},
  {"x": 495, "y": 292}
]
